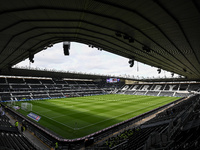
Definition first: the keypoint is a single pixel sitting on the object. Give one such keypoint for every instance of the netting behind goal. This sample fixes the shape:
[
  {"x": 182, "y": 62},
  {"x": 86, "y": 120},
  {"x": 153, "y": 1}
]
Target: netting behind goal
[
  {"x": 11, "y": 103},
  {"x": 26, "y": 106}
]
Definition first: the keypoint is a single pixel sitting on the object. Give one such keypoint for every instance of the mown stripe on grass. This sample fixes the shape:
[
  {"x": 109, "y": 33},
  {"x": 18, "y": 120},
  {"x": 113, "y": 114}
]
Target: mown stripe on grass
[
  {"x": 55, "y": 120},
  {"x": 92, "y": 113}
]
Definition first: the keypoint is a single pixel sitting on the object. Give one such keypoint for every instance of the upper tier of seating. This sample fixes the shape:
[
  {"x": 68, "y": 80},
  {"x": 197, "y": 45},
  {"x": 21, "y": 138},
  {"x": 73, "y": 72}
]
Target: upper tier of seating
[
  {"x": 162, "y": 89},
  {"x": 26, "y": 88},
  {"x": 163, "y": 86}
]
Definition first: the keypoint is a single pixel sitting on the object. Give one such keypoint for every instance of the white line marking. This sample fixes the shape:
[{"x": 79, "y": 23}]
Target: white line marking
[
  {"x": 58, "y": 116},
  {"x": 96, "y": 122},
  {"x": 56, "y": 121},
  {"x": 44, "y": 111},
  {"x": 118, "y": 116}
]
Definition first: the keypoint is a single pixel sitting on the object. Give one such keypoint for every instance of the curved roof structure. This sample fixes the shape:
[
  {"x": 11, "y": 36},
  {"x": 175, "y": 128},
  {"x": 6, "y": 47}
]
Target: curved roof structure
[{"x": 164, "y": 34}]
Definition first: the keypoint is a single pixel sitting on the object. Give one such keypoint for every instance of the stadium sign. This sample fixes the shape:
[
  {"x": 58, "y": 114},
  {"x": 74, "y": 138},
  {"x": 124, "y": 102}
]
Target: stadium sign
[
  {"x": 16, "y": 107},
  {"x": 34, "y": 116}
]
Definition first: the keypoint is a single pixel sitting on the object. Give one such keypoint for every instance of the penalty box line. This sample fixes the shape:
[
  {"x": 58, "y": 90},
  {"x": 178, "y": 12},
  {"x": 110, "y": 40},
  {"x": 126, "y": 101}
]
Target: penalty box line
[
  {"x": 57, "y": 121},
  {"x": 97, "y": 122}
]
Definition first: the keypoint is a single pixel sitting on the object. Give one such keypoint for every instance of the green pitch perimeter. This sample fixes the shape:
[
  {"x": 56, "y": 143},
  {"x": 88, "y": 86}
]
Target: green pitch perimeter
[{"x": 76, "y": 117}]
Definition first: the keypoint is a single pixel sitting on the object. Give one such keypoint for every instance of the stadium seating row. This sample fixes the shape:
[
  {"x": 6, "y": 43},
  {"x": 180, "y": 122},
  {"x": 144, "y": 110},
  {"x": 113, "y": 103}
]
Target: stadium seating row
[
  {"x": 8, "y": 80},
  {"x": 21, "y": 89},
  {"x": 183, "y": 138},
  {"x": 162, "y": 89},
  {"x": 163, "y": 86},
  {"x": 10, "y": 138}
]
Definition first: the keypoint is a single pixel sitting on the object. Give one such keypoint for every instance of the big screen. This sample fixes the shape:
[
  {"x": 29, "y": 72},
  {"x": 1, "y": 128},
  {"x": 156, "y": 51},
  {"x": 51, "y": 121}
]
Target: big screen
[{"x": 112, "y": 80}]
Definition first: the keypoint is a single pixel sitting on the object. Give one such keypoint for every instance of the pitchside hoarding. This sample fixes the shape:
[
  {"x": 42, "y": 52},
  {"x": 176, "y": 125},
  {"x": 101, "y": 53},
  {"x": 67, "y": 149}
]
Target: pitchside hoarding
[{"x": 34, "y": 116}]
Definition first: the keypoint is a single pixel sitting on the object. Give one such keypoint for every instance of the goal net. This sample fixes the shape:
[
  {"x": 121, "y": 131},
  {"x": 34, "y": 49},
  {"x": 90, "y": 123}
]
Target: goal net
[
  {"x": 26, "y": 106},
  {"x": 11, "y": 103}
]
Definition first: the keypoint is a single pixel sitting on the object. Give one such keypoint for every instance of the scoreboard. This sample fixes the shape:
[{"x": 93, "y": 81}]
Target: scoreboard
[{"x": 112, "y": 80}]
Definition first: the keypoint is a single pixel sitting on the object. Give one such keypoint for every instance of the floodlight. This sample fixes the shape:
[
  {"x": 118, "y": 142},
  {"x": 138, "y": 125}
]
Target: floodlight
[
  {"x": 31, "y": 56},
  {"x": 159, "y": 70},
  {"x": 172, "y": 74},
  {"x": 131, "y": 62},
  {"x": 66, "y": 47}
]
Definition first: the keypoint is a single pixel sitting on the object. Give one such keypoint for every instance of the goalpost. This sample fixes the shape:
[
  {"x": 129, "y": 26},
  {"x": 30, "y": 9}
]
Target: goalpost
[
  {"x": 11, "y": 103},
  {"x": 26, "y": 106}
]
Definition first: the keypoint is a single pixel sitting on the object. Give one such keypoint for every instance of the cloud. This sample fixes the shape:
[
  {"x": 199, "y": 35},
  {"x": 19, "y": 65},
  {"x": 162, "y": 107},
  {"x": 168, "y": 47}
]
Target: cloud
[{"x": 89, "y": 60}]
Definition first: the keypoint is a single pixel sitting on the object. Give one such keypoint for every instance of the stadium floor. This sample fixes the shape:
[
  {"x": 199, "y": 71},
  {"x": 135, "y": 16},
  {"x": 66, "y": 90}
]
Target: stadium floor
[
  {"x": 39, "y": 143},
  {"x": 43, "y": 146},
  {"x": 80, "y": 116}
]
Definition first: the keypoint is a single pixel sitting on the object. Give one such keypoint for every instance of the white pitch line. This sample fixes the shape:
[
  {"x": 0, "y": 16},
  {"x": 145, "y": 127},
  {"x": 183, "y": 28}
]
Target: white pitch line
[
  {"x": 117, "y": 116},
  {"x": 106, "y": 120},
  {"x": 58, "y": 116},
  {"x": 44, "y": 111},
  {"x": 83, "y": 110},
  {"x": 56, "y": 121},
  {"x": 97, "y": 122}
]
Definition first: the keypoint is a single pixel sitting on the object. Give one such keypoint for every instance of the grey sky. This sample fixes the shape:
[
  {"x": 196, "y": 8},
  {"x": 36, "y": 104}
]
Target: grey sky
[{"x": 90, "y": 60}]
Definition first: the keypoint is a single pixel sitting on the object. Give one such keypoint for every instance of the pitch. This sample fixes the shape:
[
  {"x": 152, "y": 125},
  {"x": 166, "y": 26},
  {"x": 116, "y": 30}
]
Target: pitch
[{"x": 77, "y": 117}]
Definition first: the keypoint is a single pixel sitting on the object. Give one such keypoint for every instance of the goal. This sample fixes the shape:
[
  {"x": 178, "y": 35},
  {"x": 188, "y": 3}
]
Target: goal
[
  {"x": 11, "y": 103},
  {"x": 26, "y": 106}
]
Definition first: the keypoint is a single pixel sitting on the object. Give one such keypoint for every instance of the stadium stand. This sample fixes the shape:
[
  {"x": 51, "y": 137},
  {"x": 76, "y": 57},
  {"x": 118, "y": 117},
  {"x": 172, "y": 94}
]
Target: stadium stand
[
  {"x": 5, "y": 96},
  {"x": 166, "y": 117},
  {"x": 162, "y": 89},
  {"x": 19, "y": 87},
  {"x": 152, "y": 93},
  {"x": 140, "y": 93},
  {"x": 164, "y": 123},
  {"x": 194, "y": 87},
  {"x": 110, "y": 87},
  {"x": 23, "y": 88},
  {"x": 46, "y": 81},
  {"x": 11, "y": 138},
  {"x": 15, "y": 80},
  {"x": 2, "y": 80},
  {"x": 4, "y": 87},
  {"x": 166, "y": 93},
  {"x": 32, "y": 81}
]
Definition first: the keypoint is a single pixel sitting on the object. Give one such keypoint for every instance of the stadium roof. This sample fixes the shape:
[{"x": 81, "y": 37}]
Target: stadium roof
[
  {"x": 164, "y": 34},
  {"x": 44, "y": 73},
  {"x": 34, "y": 72}
]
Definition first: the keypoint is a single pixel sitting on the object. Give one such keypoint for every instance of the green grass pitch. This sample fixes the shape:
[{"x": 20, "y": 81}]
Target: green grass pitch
[{"x": 77, "y": 117}]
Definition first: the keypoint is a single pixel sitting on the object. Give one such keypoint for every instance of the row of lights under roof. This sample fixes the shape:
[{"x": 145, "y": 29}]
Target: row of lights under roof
[
  {"x": 145, "y": 48},
  {"x": 92, "y": 46},
  {"x": 130, "y": 40}
]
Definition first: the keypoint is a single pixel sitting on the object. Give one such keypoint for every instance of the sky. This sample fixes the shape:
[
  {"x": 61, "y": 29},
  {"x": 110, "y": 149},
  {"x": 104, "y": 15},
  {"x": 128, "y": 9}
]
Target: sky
[{"x": 85, "y": 59}]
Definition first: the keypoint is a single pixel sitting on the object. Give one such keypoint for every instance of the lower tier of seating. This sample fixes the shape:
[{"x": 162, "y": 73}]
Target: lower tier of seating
[
  {"x": 14, "y": 141},
  {"x": 11, "y": 138}
]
